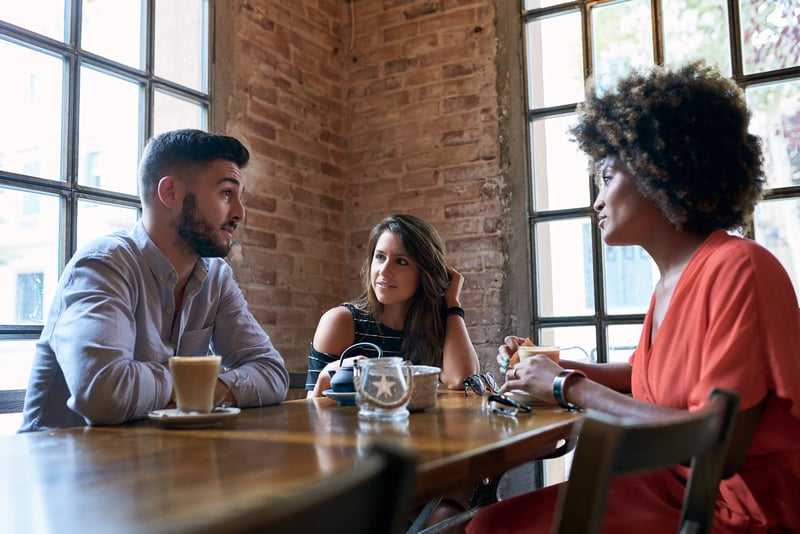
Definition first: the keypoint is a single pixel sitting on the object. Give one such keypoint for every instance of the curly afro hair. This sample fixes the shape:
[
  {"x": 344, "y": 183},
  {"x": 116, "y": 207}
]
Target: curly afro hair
[{"x": 683, "y": 135}]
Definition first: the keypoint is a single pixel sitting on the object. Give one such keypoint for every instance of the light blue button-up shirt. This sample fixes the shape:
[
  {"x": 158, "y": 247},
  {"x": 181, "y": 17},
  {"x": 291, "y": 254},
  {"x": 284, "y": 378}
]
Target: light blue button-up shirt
[{"x": 102, "y": 357}]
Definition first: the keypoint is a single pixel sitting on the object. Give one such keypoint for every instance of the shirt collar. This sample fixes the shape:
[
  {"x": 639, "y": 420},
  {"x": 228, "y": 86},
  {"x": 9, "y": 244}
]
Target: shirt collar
[{"x": 158, "y": 262}]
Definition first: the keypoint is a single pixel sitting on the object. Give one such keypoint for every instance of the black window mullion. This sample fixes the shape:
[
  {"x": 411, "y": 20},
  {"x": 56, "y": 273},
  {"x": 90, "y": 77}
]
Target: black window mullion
[
  {"x": 658, "y": 32},
  {"x": 148, "y": 93},
  {"x": 735, "y": 33}
]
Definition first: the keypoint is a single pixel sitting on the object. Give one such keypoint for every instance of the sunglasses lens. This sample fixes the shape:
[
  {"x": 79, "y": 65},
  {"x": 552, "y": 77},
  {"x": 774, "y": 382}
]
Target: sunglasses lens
[
  {"x": 490, "y": 382},
  {"x": 474, "y": 383}
]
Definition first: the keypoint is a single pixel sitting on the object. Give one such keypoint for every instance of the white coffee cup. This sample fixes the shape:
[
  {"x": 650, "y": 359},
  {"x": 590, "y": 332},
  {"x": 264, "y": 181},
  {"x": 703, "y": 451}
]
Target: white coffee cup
[
  {"x": 552, "y": 352},
  {"x": 194, "y": 379}
]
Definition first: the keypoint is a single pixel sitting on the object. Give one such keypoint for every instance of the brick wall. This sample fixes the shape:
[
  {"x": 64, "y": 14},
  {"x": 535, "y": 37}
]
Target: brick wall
[{"x": 354, "y": 110}]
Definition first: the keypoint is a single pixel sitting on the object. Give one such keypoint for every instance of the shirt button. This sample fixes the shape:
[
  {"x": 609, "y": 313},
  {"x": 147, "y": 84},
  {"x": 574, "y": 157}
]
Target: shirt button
[{"x": 169, "y": 311}]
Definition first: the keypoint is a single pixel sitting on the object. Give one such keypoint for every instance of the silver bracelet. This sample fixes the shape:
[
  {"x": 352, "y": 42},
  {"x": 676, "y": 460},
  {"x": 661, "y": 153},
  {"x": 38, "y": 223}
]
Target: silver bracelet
[{"x": 558, "y": 388}]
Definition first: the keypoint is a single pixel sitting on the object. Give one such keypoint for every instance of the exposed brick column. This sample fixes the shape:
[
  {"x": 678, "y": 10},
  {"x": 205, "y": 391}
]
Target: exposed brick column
[
  {"x": 423, "y": 138},
  {"x": 397, "y": 112}
]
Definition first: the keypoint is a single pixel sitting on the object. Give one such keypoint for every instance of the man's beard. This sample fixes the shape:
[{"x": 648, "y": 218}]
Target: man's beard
[{"x": 197, "y": 234}]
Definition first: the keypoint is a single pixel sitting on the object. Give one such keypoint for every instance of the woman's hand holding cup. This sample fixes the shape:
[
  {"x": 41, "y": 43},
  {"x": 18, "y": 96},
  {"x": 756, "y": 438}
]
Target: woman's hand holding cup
[
  {"x": 527, "y": 351},
  {"x": 507, "y": 355},
  {"x": 534, "y": 376}
]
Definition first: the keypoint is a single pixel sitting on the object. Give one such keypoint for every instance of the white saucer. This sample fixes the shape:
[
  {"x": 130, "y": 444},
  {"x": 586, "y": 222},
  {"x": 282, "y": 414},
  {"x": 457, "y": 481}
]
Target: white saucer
[
  {"x": 344, "y": 399},
  {"x": 177, "y": 418},
  {"x": 523, "y": 396}
]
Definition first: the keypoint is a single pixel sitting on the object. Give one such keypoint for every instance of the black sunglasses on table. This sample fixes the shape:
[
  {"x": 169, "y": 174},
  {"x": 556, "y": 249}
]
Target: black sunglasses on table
[
  {"x": 498, "y": 403},
  {"x": 480, "y": 384},
  {"x": 507, "y": 406}
]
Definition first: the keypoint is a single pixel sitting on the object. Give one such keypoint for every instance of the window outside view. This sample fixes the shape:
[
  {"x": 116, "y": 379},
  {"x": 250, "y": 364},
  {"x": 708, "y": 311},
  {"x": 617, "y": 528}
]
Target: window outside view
[
  {"x": 68, "y": 164},
  {"x": 590, "y": 298}
]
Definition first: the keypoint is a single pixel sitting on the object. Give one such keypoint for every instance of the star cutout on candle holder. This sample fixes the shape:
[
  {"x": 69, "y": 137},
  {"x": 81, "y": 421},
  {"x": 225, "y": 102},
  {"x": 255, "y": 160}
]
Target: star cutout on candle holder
[{"x": 384, "y": 386}]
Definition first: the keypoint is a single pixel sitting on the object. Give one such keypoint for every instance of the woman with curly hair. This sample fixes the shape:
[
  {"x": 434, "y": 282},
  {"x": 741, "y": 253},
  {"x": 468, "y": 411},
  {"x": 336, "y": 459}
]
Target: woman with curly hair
[
  {"x": 677, "y": 169},
  {"x": 410, "y": 307}
]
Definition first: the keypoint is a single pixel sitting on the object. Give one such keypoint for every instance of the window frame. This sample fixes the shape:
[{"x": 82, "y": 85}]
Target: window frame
[{"x": 601, "y": 320}]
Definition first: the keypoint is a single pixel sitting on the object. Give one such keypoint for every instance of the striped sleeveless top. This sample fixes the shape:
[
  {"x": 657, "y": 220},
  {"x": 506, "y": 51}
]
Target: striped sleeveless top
[{"x": 366, "y": 329}]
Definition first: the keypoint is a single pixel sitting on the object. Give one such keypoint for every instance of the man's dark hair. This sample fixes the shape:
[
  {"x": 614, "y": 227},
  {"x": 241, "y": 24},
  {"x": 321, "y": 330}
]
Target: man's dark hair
[{"x": 172, "y": 152}]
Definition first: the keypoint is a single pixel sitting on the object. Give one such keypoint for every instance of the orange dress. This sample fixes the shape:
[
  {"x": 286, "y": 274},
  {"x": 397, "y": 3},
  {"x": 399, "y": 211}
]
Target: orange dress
[{"x": 733, "y": 322}]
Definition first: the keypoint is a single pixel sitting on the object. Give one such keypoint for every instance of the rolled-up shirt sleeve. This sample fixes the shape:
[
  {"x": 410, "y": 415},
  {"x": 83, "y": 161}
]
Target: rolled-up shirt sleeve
[{"x": 257, "y": 374}]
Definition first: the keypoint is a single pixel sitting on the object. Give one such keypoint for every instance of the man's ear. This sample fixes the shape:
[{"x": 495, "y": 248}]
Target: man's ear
[{"x": 167, "y": 191}]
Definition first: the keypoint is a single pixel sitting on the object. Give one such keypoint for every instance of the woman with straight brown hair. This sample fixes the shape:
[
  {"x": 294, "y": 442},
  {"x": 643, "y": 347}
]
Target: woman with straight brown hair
[{"x": 410, "y": 307}]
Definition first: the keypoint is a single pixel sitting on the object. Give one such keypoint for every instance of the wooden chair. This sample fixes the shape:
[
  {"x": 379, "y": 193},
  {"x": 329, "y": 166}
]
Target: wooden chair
[
  {"x": 608, "y": 446},
  {"x": 374, "y": 496}
]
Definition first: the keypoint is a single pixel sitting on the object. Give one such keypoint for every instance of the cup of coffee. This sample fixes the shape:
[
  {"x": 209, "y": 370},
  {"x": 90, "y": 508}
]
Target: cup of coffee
[
  {"x": 525, "y": 352},
  {"x": 194, "y": 379}
]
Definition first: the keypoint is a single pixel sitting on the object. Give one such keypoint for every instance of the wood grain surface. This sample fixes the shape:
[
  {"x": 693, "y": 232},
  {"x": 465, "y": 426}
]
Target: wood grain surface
[{"x": 142, "y": 477}]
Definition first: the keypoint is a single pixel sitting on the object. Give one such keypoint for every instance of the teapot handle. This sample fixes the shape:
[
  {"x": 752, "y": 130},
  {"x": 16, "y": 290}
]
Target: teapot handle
[{"x": 361, "y": 344}]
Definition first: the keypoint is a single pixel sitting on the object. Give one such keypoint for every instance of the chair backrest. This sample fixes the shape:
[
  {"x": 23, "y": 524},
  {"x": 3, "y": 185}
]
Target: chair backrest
[
  {"x": 608, "y": 446},
  {"x": 373, "y": 496}
]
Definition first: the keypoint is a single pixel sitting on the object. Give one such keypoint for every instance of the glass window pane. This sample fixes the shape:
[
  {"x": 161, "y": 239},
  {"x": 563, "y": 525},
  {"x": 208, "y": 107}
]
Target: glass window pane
[
  {"x": 10, "y": 423},
  {"x": 776, "y": 120},
  {"x": 41, "y": 16},
  {"x": 694, "y": 30},
  {"x": 109, "y": 134},
  {"x": 578, "y": 343},
  {"x": 97, "y": 219},
  {"x": 16, "y": 358},
  {"x": 630, "y": 277},
  {"x": 622, "y": 341},
  {"x": 555, "y": 77},
  {"x": 777, "y": 227},
  {"x": 30, "y": 100},
  {"x": 535, "y": 4},
  {"x": 622, "y": 38},
  {"x": 181, "y": 30},
  {"x": 564, "y": 267},
  {"x": 172, "y": 113},
  {"x": 770, "y": 34},
  {"x": 114, "y": 29},
  {"x": 560, "y": 171},
  {"x": 31, "y": 226}
]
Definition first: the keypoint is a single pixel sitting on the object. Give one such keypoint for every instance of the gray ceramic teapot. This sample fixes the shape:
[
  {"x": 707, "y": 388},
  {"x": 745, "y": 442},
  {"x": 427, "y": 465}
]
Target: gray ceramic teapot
[{"x": 342, "y": 378}]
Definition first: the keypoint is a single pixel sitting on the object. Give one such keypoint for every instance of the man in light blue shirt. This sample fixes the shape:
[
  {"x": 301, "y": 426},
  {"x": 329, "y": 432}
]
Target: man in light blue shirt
[{"x": 130, "y": 300}]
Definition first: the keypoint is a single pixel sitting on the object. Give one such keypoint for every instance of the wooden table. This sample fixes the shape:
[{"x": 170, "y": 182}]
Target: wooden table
[{"x": 145, "y": 478}]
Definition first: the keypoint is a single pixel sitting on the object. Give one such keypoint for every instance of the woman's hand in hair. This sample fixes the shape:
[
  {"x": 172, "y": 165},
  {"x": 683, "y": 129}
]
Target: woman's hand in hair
[{"x": 452, "y": 295}]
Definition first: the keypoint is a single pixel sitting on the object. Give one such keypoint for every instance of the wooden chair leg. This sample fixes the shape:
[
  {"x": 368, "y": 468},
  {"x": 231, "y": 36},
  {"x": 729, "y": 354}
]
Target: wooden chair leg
[{"x": 423, "y": 516}]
